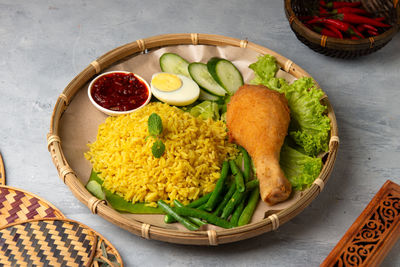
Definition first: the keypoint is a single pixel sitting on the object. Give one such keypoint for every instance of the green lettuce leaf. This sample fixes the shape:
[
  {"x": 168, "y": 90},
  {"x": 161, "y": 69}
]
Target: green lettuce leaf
[
  {"x": 309, "y": 126},
  {"x": 206, "y": 109},
  {"x": 264, "y": 69},
  {"x": 300, "y": 169}
]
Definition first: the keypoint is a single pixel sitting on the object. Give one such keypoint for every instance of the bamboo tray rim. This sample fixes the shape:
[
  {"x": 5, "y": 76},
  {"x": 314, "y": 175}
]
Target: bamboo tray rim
[{"x": 147, "y": 231}]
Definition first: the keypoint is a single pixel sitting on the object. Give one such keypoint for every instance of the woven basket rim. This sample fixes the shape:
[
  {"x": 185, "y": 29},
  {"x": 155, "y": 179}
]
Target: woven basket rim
[
  {"x": 312, "y": 36},
  {"x": 156, "y": 232}
]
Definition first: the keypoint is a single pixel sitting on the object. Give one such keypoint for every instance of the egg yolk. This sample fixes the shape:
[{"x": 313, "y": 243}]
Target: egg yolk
[{"x": 166, "y": 82}]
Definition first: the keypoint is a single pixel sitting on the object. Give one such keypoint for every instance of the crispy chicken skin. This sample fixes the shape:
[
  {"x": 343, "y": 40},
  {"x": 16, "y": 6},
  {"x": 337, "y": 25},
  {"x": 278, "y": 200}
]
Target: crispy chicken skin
[{"x": 258, "y": 120}]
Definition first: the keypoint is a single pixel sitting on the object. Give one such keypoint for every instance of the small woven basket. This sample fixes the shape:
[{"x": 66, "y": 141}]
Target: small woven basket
[{"x": 343, "y": 48}]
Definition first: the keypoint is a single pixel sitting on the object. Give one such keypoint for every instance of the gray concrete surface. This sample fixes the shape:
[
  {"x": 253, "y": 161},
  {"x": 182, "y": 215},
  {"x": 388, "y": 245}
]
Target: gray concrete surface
[{"x": 44, "y": 44}]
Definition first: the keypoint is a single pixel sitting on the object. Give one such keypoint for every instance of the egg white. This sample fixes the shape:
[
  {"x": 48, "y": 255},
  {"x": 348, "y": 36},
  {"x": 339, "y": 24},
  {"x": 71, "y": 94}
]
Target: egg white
[{"x": 185, "y": 95}]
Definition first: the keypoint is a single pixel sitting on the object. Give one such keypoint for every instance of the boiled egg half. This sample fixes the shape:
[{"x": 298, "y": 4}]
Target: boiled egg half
[{"x": 174, "y": 89}]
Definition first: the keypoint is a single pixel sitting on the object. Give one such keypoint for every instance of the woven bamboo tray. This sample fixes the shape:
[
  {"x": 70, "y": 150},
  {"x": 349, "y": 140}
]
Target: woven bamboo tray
[
  {"x": 149, "y": 231},
  {"x": 344, "y": 48}
]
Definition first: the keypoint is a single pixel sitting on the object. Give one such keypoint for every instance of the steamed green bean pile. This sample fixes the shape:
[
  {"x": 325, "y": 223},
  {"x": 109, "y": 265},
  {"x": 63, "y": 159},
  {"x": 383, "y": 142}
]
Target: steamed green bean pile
[{"x": 232, "y": 202}]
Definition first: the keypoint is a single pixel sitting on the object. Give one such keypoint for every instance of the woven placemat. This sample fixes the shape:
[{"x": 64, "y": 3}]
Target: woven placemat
[
  {"x": 33, "y": 232},
  {"x": 17, "y": 205},
  {"x": 54, "y": 242}
]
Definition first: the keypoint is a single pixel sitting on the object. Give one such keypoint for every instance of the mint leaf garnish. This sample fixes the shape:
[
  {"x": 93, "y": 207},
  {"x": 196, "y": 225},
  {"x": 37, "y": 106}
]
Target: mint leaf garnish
[
  {"x": 155, "y": 124},
  {"x": 155, "y": 128},
  {"x": 158, "y": 148}
]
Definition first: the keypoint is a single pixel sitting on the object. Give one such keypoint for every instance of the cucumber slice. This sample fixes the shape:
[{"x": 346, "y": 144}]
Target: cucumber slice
[
  {"x": 225, "y": 73},
  {"x": 95, "y": 188},
  {"x": 207, "y": 96},
  {"x": 199, "y": 73},
  {"x": 173, "y": 63}
]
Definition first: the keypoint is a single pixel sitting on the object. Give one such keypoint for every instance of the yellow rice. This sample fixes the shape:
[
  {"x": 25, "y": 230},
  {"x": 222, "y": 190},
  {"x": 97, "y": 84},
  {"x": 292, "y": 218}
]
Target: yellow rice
[{"x": 190, "y": 166}]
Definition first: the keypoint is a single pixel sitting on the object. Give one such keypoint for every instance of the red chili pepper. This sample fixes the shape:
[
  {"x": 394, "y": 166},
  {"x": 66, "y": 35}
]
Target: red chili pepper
[
  {"x": 336, "y": 5},
  {"x": 323, "y": 11},
  {"x": 352, "y": 18},
  {"x": 360, "y": 28},
  {"x": 373, "y": 33},
  {"x": 351, "y": 10},
  {"x": 336, "y": 31},
  {"x": 315, "y": 20},
  {"x": 379, "y": 19},
  {"x": 327, "y": 32},
  {"x": 322, "y": 3},
  {"x": 324, "y": 31},
  {"x": 357, "y": 32},
  {"x": 369, "y": 27},
  {"x": 343, "y": 26},
  {"x": 340, "y": 25},
  {"x": 354, "y": 38}
]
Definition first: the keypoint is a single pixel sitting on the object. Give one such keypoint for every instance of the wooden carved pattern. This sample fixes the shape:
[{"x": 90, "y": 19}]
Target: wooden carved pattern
[
  {"x": 372, "y": 234},
  {"x": 369, "y": 237}
]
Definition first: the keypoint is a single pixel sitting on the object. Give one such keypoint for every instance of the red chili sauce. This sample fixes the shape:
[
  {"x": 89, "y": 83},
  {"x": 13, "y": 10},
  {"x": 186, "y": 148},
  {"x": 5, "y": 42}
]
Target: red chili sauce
[{"x": 119, "y": 91}]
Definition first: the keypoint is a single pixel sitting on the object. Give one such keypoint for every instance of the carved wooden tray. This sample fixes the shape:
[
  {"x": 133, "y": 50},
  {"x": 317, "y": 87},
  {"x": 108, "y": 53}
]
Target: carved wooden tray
[{"x": 371, "y": 236}]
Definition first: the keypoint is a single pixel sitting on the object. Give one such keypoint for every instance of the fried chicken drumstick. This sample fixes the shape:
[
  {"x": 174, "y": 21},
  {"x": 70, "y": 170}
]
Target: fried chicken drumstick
[{"x": 258, "y": 120}]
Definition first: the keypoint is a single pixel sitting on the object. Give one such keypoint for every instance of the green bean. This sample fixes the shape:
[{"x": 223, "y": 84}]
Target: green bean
[
  {"x": 218, "y": 187},
  {"x": 225, "y": 200},
  {"x": 247, "y": 164},
  {"x": 250, "y": 207},
  {"x": 209, "y": 217},
  {"x": 238, "y": 211},
  {"x": 251, "y": 185},
  {"x": 232, "y": 203},
  {"x": 201, "y": 207},
  {"x": 171, "y": 211},
  {"x": 197, "y": 203},
  {"x": 238, "y": 176},
  {"x": 194, "y": 220},
  {"x": 236, "y": 198}
]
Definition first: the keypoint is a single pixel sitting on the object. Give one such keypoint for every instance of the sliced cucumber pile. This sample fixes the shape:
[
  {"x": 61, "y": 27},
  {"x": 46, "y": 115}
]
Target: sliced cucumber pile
[
  {"x": 173, "y": 63},
  {"x": 225, "y": 73},
  {"x": 217, "y": 79},
  {"x": 199, "y": 73}
]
